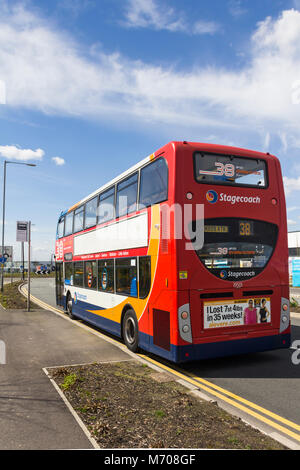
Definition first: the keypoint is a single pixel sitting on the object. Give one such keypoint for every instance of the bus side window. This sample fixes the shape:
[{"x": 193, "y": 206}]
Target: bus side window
[
  {"x": 127, "y": 196},
  {"x": 106, "y": 276},
  {"x": 78, "y": 274},
  {"x": 69, "y": 274},
  {"x": 90, "y": 274},
  {"x": 144, "y": 276},
  {"x": 126, "y": 277},
  {"x": 78, "y": 219},
  {"x": 60, "y": 228},
  {"x": 106, "y": 208},
  {"x": 91, "y": 213},
  {"x": 154, "y": 183},
  {"x": 69, "y": 224}
]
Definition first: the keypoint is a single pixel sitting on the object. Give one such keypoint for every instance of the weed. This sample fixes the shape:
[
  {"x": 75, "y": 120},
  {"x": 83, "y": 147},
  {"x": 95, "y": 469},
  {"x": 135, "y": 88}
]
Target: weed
[
  {"x": 69, "y": 380},
  {"x": 159, "y": 414}
]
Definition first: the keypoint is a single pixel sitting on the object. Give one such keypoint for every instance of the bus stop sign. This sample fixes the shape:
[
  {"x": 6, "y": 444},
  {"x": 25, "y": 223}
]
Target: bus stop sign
[{"x": 22, "y": 231}]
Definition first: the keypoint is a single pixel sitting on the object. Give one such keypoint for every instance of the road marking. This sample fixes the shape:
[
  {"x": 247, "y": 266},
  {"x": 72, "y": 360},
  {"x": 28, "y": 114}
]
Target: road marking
[
  {"x": 209, "y": 387},
  {"x": 247, "y": 402},
  {"x": 218, "y": 392}
]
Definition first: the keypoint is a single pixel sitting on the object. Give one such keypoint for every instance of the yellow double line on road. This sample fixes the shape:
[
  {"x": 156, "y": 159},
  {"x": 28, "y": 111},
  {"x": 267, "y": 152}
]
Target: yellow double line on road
[
  {"x": 234, "y": 400},
  {"x": 263, "y": 415},
  {"x": 39, "y": 302}
]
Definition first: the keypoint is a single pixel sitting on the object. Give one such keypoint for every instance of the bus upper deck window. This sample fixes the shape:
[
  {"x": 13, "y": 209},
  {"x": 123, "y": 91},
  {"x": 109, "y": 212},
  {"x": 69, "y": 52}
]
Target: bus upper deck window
[{"x": 154, "y": 183}]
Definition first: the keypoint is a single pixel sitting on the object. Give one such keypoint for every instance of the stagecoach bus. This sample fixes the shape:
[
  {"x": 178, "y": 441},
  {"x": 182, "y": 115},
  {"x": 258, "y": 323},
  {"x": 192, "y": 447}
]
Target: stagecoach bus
[{"x": 184, "y": 255}]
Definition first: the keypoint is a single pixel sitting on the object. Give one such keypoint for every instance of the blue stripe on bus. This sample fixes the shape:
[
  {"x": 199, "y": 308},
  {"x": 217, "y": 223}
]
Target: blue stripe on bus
[
  {"x": 81, "y": 308},
  {"x": 197, "y": 352},
  {"x": 233, "y": 347}
]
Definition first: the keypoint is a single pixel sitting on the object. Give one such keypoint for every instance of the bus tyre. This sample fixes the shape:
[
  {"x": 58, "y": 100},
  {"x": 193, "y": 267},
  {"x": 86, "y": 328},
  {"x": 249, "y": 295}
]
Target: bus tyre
[
  {"x": 131, "y": 330},
  {"x": 70, "y": 307}
]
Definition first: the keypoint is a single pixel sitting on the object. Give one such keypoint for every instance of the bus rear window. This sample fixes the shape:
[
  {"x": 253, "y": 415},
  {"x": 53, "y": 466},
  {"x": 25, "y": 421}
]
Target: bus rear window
[
  {"x": 230, "y": 170},
  {"x": 236, "y": 249}
]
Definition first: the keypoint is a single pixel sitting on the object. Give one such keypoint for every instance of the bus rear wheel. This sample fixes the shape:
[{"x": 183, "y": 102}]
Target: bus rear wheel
[
  {"x": 70, "y": 307},
  {"x": 131, "y": 330}
]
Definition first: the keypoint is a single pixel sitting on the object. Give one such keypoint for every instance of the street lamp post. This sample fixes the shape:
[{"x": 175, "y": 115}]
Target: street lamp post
[{"x": 6, "y": 162}]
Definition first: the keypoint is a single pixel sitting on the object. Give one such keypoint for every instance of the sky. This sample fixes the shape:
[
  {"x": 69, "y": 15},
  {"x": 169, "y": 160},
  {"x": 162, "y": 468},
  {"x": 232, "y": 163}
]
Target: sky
[{"x": 90, "y": 87}]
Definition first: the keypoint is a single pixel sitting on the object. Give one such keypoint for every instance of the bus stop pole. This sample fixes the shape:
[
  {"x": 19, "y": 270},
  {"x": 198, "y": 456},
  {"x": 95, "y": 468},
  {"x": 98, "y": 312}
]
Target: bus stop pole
[
  {"x": 29, "y": 246},
  {"x": 3, "y": 224},
  {"x": 23, "y": 260}
]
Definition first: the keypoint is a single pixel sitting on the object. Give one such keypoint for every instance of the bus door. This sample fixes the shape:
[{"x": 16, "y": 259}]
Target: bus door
[{"x": 59, "y": 284}]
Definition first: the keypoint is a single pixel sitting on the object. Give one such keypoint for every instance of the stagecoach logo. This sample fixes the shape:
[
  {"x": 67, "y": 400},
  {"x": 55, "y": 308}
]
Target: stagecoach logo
[
  {"x": 75, "y": 298},
  {"x": 104, "y": 279},
  {"x": 223, "y": 274},
  {"x": 212, "y": 196}
]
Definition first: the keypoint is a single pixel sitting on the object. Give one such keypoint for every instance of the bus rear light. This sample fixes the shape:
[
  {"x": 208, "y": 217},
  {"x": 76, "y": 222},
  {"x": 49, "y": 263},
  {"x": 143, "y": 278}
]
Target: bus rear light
[
  {"x": 274, "y": 201},
  {"x": 285, "y": 315},
  {"x": 184, "y": 323},
  {"x": 189, "y": 196}
]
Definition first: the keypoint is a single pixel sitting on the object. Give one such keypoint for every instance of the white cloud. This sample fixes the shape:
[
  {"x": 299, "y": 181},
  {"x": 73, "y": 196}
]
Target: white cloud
[
  {"x": 267, "y": 140},
  {"x": 15, "y": 153},
  {"x": 236, "y": 9},
  {"x": 296, "y": 4},
  {"x": 151, "y": 14},
  {"x": 204, "y": 27},
  {"x": 75, "y": 7},
  {"x": 291, "y": 184},
  {"x": 2, "y": 92},
  {"x": 48, "y": 71},
  {"x": 291, "y": 222},
  {"x": 58, "y": 161}
]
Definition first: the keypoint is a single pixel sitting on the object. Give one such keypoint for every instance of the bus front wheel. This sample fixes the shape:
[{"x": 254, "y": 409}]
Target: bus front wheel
[
  {"x": 70, "y": 307},
  {"x": 131, "y": 330}
]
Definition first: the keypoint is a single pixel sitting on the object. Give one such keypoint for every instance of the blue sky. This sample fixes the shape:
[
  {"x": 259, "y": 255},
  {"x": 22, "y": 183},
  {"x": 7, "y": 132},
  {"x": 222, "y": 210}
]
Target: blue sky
[{"x": 93, "y": 86}]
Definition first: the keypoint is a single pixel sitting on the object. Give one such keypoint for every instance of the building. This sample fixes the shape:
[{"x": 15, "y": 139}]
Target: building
[
  {"x": 294, "y": 257},
  {"x": 294, "y": 244}
]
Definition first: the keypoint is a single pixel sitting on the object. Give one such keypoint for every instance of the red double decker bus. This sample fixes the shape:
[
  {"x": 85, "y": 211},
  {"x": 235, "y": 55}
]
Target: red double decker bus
[{"x": 184, "y": 255}]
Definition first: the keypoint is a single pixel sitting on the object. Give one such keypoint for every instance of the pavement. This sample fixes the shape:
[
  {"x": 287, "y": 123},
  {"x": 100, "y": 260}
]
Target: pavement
[
  {"x": 32, "y": 414},
  {"x": 295, "y": 292}
]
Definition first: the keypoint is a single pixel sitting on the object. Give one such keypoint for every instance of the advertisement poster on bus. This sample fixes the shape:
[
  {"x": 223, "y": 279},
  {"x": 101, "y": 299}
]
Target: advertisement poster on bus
[{"x": 222, "y": 314}]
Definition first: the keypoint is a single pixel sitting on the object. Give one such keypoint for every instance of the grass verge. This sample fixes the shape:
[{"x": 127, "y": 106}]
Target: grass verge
[
  {"x": 11, "y": 298},
  {"x": 19, "y": 275},
  {"x": 128, "y": 405}
]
